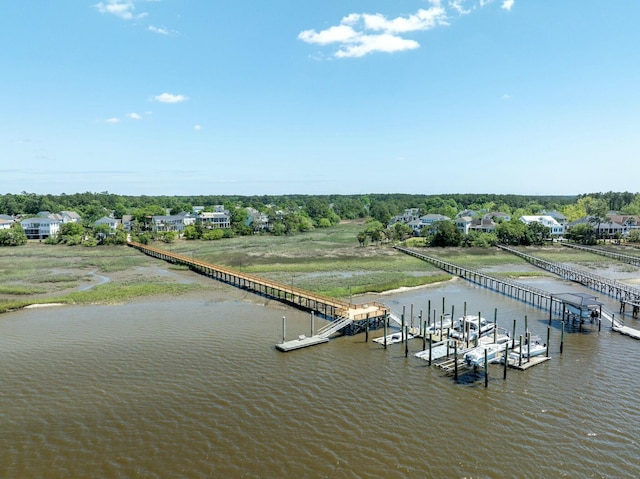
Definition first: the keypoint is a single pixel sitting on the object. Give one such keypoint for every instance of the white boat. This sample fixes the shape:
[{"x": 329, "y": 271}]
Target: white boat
[
  {"x": 468, "y": 326},
  {"x": 440, "y": 325},
  {"x": 535, "y": 348},
  {"x": 393, "y": 338},
  {"x": 440, "y": 350},
  {"x": 475, "y": 357}
]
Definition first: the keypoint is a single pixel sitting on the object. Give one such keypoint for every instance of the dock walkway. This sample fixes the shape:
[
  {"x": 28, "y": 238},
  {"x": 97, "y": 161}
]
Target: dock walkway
[
  {"x": 341, "y": 313},
  {"x": 611, "y": 287}
]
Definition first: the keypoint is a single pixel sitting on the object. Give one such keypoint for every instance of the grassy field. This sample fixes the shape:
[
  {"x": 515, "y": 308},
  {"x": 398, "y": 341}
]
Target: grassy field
[{"x": 328, "y": 261}]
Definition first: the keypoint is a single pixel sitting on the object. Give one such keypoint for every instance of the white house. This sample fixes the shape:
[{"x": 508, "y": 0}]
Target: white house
[
  {"x": 219, "y": 218},
  {"x": 5, "y": 224},
  {"x": 40, "y": 228},
  {"x": 426, "y": 221},
  {"x": 171, "y": 222},
  {"x": 555, "y": 228},
  {"x": 112, "y": 223}
]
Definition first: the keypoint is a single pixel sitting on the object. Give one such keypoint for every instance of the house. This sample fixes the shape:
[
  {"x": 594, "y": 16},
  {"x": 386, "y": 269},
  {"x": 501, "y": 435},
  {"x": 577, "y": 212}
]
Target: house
[
  {"x": 258, "y": 221},
  {"x": 409, "y": 215},
  {"x": 463, "y": 223},
  {"x": 497, "y": 216},
  {"x": 628, "y": 222},
  {"x": 39, "y": 227},
  {"x": 555, "y": 228},
  {"x": 164, "y": 223},
  {"x": 5, "y": 224},
  {"x": 128, "y": 222},
  {"x": 470, "y": 213},
  {"x": 70, "y": 217},
  {"x": 483, "y": 225},
  {"x": 556, "y": 215},
  {"x": 426, "y": 221},
  {"x": 218, "y": 218},
  {"x": 112, "y": 223}
]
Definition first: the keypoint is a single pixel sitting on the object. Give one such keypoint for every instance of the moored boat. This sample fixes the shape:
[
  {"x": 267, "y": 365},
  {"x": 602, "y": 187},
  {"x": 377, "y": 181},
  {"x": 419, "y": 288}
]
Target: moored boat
[{"x": 471, "y": 327}]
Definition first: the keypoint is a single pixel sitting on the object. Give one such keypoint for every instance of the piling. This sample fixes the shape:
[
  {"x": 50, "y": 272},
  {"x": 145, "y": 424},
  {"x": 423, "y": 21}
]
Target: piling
[
  {"x": 561, "y": 338},
  {"x": 406, "y": 341},
  {"x": 431, "y": 348},
  {"x": 548, "y": 340},
  {"x": 312, "y": 328},
  {"x": 284, "y": 329},
  {"x": 385, "y": 331},
  {"x": 455, "y": 362},
  {"x": 486, "y": 368},
  {"x": 366, "y": 330},
  {"x": 411, "y": 321},
  {"x": 424, "y": 337},
  {"x": 465, "y": 309},
  {"x": 520, "y": 354},
  {"x": 513, "y": 343},
  {"x": 506, "y": 361}
]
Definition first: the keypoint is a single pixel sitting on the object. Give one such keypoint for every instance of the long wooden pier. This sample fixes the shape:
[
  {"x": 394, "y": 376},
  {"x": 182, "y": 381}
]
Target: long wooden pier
[
  {"x": 625, "y": 258},
  {"x": 342, "y": 313},
  {"x": 522, "y": 292},
  {"x": 613, "y": 288}
]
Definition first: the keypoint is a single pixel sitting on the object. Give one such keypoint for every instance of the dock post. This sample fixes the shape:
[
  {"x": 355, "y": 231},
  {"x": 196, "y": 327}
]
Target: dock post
[
  {"x": 528, "y": 346},
  {"x": 452, "y": 310},
  {"x": 506, "y": 361},
  {"x": 429, "y": 312},
  {"x": 486, "y": 368},
  {"x": 406, "y": 341},
  {"x": 455, "y": 362},
  {"x": 513, "y": 342},
  {"x": 420, "y": 324},
  {"x": 424, "y": 337},
  {"x": 561, "y": 338},
  {"x": 599, "y": 324},
  {"x": 443, "y": 305},
  {"x": 465, "y": 309},
  {"x": 520, "y": 354},
  {"x": 311, "y": 323},
  {"x": 386, "y": 320},
  {"x": 479, "y": 329},
  {"x": 526, "y": 326},
  {"x": 548, "y": 339},
  {"x": 431, "y": 348},
  {"x": 402, "y": 324},
  {"x": 284, "y": 320},
  {"x": 366, "y": 330},
  {"x": 550, "y": 309},
  {"x": 411, "y": 316}
]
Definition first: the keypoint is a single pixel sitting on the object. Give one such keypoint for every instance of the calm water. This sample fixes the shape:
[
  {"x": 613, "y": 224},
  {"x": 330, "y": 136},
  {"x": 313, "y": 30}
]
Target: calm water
[{"x": 196, "y": 389}]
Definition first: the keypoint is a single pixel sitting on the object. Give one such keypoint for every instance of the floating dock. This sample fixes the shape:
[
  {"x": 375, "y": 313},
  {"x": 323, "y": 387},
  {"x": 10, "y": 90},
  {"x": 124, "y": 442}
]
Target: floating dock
[{"x": 301, "y": 342}]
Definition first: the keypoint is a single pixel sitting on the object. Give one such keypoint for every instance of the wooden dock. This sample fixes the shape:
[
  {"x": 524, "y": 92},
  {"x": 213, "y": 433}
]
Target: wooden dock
[
  {"x": 613, "y": 288},
  {"x": 522, "y": 292},
  {"x": 625, "y": 258},
  {"x": 342, "y": 313}
]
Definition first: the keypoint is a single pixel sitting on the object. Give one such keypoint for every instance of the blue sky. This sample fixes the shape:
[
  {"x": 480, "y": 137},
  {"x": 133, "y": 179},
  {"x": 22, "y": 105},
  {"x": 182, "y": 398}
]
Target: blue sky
[{"x": 188, "y": 97}]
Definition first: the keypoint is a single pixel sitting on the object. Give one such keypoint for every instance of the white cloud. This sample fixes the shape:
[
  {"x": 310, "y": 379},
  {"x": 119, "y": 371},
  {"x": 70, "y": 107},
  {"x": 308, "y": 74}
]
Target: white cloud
[
  {"x": 361, "y": 33},
  {"x": 376, "y": 43},
  {"x": 112, "y": 120},
  {"x": 197, "y": 127},
  {"x": 170, "y": 98},
  {"x": 507, "y": 4},
  {"x": 158, "y": 30},
  {"x": 120, "y": 8},
  {"x": 134, "y": 116},
  {"x": 458, "y": 6},
  {"x": 506, "y": 96}
]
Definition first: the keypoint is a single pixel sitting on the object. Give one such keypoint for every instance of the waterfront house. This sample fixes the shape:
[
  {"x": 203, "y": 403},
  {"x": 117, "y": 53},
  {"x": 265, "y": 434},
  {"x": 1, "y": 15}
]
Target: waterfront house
[
  {"x": 164, "y": 223},
  {"x": 5, "y": 224},
  {"x": 218, "y": 218},
  {"x": 426, "y": 221},
  {"x": 111, "y": 222},
  {"x": 40, "y": 228},
  {"x": 256, "y": 220},
  {"x": 555, "y": 229}
]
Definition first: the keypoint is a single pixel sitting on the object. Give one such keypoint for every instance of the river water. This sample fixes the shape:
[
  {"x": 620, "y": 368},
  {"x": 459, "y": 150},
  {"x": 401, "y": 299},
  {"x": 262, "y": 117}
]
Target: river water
[{"x": 194, "y": 388}]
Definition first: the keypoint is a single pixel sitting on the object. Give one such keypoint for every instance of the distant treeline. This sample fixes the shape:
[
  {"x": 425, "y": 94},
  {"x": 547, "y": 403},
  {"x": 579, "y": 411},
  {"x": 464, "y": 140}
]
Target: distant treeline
[{"x": 382, "y": 207}]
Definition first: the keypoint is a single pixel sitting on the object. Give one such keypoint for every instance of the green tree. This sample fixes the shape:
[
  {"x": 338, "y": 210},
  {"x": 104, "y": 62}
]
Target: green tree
[
  {"x": 445, "y": 234},
  {"x": 14, "y": 236},
  {"x": 512, "y": 232},
  {"x": 582, "y": 233},
  {"x": 634, "y": 236}
]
